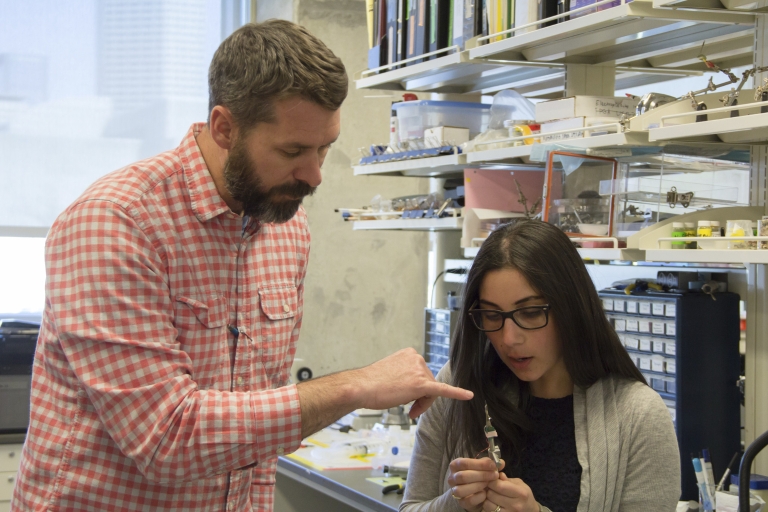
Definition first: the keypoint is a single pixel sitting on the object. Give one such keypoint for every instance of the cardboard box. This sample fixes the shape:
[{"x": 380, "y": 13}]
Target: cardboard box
[
  {"x": 446, "y": 135},
  {"x": 495, "y": 189},
  {"x": 575, "y": 123},
  {"x": 585, "y": 106}
]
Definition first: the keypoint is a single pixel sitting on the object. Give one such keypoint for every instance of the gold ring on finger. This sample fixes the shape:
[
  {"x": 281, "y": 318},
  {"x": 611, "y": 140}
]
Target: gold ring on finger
[
  {"x": 455, "y": 497},
  {"x": 497, "y": 509}
]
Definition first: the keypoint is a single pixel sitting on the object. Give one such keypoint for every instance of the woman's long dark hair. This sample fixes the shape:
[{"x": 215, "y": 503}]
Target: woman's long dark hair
[{"x": 590, "y": 347}]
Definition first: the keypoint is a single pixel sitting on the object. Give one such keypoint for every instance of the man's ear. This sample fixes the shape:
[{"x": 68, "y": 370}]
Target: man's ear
[{"x": 222, "y": 127}]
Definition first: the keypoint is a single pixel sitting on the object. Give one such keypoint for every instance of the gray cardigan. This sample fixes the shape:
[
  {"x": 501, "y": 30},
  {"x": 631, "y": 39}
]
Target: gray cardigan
[{"x": 625, "y": 442}]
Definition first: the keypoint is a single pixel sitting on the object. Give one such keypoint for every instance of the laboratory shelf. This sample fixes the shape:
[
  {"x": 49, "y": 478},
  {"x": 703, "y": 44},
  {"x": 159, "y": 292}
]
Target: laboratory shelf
[
  {"x": 603, "y": 254},
  {"x": 444, "y": 224},
  {"x": 752, "y": 128},
  {"x": 435, "y": 166},
  {"x": 617, "y": 35},
  {"x": 455, "y": 73},
  {"x": 513, "y": 154},
  {"x": 608, "y": 141},
  {"x": 743, "y": 256},
  {"x": 744, "y": 6}
]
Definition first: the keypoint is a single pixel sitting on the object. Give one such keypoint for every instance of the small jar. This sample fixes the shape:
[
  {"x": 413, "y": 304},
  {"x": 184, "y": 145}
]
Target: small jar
[
  {"x": 678, "y": 231},
  {"x": 704, "y": 230},
  {"x": 690, "y": 231}
]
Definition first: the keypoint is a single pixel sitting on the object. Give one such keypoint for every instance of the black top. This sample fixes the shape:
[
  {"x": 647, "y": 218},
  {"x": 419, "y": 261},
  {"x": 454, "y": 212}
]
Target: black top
[{"x": 550, "y": 465}]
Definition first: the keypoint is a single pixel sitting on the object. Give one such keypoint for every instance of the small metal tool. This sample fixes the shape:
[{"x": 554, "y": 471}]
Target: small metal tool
[{"x": 494, "y": 451}]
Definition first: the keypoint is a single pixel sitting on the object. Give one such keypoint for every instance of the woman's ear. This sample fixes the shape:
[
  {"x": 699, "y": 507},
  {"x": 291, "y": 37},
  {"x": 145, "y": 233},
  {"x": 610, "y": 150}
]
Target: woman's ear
[{"x": 222, "y": 127}]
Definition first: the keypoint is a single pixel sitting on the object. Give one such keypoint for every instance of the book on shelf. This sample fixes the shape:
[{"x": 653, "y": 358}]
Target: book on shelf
[
  {"x": 391, "y": 31},
  {"x": 402, "y": 30},
  {"x": 439, "y": 25}
]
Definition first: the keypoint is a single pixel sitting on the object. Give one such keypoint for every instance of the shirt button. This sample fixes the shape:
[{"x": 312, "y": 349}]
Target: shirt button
[
  {"x": 239, "y": 381},
  {"x": 286, "y": 308},
  {"x": 280, "y": 450}
]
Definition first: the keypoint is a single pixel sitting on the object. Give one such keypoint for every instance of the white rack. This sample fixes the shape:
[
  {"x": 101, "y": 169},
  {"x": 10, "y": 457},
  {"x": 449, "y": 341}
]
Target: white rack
[
  {"x": 744, "y": 129},
  {"x": 444, "y": 224},
  {"x": 625, "y": 33},
  {"x": 435, "y": 166},
  {"x": 734, "y": 6}
]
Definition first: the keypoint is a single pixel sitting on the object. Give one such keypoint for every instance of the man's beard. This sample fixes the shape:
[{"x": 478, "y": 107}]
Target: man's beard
[{"x": 245, "y": 187}]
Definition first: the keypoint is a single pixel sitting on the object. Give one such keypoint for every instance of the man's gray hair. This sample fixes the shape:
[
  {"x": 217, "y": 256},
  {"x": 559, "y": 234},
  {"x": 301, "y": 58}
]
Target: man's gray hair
[{"x": 260, "y": 63}]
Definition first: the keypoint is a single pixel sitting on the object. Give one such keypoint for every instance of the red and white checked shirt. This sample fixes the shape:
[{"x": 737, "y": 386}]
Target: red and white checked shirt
[{"x": 136, "y": 403}]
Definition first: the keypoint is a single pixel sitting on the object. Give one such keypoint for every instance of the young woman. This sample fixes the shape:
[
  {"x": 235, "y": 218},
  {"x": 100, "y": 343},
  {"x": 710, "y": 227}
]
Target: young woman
[{"x": 579, "y": 429}]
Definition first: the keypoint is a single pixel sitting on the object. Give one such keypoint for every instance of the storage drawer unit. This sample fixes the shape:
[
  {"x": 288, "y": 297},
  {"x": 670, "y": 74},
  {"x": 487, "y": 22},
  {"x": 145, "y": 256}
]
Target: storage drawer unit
[
  {"x": 439, "y": 325},
  {"x": 687, "y": 348}
]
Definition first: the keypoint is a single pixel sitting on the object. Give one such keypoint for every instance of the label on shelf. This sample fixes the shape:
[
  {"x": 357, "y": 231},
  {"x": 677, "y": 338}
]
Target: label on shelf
[
  {"x": 671, "y": 366},
  {"x": 618, "y": 305},
  {"x": 632, "y": 343},
  {"x": 671, "y": 329},
  {"x": 645, "y": 308},
  {"x": 658, "y": 328},
  {"x": 645, "y": 345},
  {"x": 620, "y": 324},
  {"x": 670, "y": 348},
  {"x": 608, "y": 304},
  {"x": 670, "y": 309},
  {"x": 658, "y": 308},
  {"x": 631, "y": 306},
  {"x": 658, "y": 346}
]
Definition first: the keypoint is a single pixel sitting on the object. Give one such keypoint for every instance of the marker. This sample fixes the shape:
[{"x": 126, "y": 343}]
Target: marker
[
  {"x": 709, "y": 475},
  {"x": 699, "y": 470},
  {"x": 727, "y": 472}
]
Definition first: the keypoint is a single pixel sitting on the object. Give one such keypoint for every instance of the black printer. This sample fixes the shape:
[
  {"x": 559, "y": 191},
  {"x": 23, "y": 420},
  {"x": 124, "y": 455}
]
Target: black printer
[{"x": 18, "y": 339}]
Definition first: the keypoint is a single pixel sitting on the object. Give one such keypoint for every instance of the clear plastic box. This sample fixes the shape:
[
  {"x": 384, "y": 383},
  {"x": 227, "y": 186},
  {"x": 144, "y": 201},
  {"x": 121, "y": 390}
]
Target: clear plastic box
[
  {"x": 673, "y": 182},
  {"x": 413, "y": 117}
]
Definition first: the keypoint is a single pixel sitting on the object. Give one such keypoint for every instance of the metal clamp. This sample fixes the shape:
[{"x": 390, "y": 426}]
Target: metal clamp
[{"x": 673, "y": 198}]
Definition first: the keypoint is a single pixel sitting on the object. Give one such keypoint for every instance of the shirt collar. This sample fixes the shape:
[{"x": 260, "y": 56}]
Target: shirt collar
[{"x": 204, "y": 197}]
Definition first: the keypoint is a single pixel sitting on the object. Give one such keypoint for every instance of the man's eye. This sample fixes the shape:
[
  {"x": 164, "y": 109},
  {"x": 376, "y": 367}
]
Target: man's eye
[{"x": 292, "y": 153}]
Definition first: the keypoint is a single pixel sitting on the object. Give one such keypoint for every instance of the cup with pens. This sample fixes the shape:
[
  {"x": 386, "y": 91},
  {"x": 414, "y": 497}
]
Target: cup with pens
[{"x": 705, "y": 478}]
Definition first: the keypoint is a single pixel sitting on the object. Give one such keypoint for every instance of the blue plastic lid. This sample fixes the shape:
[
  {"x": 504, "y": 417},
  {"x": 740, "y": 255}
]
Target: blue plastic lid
[
  {"x": 756, "y": 482},
  {"x": 434, "y": 103}
]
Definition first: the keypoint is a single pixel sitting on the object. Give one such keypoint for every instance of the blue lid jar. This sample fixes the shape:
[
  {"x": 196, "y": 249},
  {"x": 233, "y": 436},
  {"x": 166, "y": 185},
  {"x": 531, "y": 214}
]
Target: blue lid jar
[{"x": 756, "y": 482}]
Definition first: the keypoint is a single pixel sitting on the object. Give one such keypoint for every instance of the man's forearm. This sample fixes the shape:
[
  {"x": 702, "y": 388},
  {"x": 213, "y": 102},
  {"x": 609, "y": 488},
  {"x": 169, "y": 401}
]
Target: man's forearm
[{"x": 326, "y": 399}]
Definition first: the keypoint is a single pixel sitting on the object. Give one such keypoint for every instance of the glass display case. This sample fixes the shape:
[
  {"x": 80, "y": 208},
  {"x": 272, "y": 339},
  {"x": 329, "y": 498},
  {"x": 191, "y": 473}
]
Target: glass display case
[
  {"x": 674, "y": 180},
  {"x": 572, "y": 199}
]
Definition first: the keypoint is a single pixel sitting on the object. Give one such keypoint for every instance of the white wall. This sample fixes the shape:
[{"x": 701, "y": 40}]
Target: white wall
[{"x": 365, "y": 290}]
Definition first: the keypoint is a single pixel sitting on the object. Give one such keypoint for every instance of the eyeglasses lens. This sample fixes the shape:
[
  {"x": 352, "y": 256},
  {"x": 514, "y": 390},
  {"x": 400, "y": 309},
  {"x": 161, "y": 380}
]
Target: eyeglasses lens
[{"x": 527, "y": 318}]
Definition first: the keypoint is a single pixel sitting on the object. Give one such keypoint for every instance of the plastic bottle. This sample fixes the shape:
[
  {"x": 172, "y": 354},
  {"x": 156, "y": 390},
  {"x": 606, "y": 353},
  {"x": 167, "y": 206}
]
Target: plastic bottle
[
  {"x": 678, "y": 230},
  {"x": 690, "y": 231},
  {"x": 717, "y": 233},
  {"x": 704, "y": 230}
]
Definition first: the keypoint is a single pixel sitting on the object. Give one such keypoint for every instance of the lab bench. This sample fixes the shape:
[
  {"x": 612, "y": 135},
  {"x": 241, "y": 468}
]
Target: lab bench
[{"x": 301, "y": 488}]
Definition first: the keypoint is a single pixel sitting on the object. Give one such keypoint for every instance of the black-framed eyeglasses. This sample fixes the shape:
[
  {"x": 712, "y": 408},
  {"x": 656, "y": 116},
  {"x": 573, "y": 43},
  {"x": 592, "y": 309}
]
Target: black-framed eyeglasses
[{"x": 527, "y": 317}]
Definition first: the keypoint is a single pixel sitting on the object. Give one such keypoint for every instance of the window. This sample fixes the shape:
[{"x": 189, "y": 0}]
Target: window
[{"x": 87, "y": 87}]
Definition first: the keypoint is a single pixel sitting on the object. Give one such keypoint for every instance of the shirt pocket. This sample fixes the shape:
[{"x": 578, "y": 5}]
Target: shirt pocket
[
  {"x": 200, "y": 322},
  {"x": 279, "y": 304}
]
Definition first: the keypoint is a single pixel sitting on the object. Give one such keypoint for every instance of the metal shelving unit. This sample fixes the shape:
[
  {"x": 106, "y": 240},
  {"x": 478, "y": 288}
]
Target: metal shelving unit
[{"x": 746, "y": 129}]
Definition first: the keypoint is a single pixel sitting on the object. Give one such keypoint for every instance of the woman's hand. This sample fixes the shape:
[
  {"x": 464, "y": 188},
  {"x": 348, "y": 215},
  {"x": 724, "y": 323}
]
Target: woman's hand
[
  {"x": 509, "y": 495},
  {"x": 468, "y": 479}
]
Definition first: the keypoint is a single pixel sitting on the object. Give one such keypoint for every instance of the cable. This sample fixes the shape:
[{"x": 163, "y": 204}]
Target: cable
[{"x": 460, "y": 271}]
